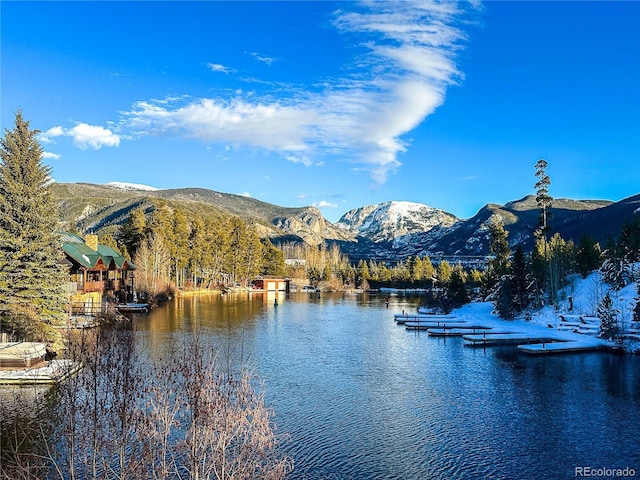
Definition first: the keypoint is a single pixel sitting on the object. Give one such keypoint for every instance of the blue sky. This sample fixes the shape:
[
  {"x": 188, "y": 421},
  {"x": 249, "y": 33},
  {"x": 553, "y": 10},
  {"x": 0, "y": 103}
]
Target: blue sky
[{"x": 334, "y": 104}]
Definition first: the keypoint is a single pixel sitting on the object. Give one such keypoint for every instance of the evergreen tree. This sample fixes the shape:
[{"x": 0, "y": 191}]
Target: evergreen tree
[
  {"x": 615, "y": 272},
  {"x": 428, "y": 270},
  {"x": 498, "y": 264},
  {"x": 273, "y": 262},
  {"x": 629, "y": 242},
  {"x": 385, "y": 273},
  {"x": 543, "y": 199},
  {"x": 539, "y": 269},
  {"x": 326, "y": 272},
  {"x": 134, "y": 231},
  {"x": 364, "y": 276},
  {"x": 504, "y": 305},
  {"x": 561, "y": 264},
  {"x": 520, "y": 279},
  {"x": 105, "y": 238},
  {"x": 218, "y": 248},
  {"x": 609, "y": 327},
  {"x": 32, "y": 298},
  {"x": 444, "y": 272},
  {"x": 475, "y": 278},
  {"x": 588, "y": 255},
  {"x": 456, "y": 289},
  {"x": 197, "y": 250},
  {"x": 499, "y": 247},
  {"x": 179, "y": 248}
]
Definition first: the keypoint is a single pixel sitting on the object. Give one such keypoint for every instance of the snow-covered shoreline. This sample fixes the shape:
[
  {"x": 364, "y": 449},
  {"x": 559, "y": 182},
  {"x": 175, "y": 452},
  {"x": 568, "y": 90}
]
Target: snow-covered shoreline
[{"x": 585, "y": 295}]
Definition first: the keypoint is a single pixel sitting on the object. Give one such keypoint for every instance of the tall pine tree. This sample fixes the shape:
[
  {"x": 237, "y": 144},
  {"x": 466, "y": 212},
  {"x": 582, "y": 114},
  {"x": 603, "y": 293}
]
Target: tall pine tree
[
  {"x": 609, "y": 326},
  {"x": 32, "y": 297},
  {"x": 543, "y": 199}
]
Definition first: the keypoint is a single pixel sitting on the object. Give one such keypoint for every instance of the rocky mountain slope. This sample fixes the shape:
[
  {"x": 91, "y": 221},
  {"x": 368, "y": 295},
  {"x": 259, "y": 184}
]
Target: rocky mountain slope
[
  {"x": 91, "y": 207},
  {"x": 393, "y": 221},
  {"x": 389, "y": 230}
]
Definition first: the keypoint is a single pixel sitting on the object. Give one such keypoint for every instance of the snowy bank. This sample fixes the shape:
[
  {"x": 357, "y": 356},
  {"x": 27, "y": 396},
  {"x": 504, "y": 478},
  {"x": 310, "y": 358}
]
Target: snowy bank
[{"x": 583, "y": 295}]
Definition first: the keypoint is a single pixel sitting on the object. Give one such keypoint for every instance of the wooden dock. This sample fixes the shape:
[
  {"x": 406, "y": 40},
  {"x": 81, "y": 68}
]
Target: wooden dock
[
  {"x": 459, "y": 332},
  {"x": 445, "y": 326},
  {"x": 560, "y": 347},
  {"x": 402, "y": 318},
  {"x": 530, "y": 341},
  {"x": 50, "y": 372},
  {"x": 489, "y": 340}
]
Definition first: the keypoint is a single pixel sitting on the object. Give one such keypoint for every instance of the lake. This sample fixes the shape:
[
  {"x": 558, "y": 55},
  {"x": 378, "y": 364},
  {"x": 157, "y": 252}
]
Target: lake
[{"x": 360, "y": 397}]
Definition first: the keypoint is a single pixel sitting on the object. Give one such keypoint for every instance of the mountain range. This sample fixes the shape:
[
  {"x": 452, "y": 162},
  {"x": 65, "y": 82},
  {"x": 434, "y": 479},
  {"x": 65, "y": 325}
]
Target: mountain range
[{"x": 386, "y": 231}]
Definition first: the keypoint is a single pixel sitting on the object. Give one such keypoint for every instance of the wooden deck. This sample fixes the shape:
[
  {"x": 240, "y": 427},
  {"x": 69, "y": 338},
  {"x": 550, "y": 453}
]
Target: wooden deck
[
  {"x": 21, "y": 354},
  {"x": 50, "y": 372}
]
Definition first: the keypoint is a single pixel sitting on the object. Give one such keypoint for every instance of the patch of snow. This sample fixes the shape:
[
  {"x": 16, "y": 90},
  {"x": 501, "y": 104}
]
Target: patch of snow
[{"x": 131, "y": 186}]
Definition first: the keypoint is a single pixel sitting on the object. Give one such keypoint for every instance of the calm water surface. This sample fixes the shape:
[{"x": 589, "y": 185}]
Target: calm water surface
[{"x": 362, "y": 398}]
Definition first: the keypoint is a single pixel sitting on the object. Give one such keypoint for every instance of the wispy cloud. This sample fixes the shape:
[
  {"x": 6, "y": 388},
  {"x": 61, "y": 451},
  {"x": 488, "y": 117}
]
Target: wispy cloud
[
  {"x": 263, "y": 58},
  {"x": 52, "y": 155},
  {"x": 409, "y": 62},
  {"x": 216, "y": 67},
  {"x": 303, "y": 159}
]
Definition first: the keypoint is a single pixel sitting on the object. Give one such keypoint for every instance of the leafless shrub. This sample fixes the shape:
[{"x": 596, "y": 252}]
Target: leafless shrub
[{"x": 189, "y": 415}]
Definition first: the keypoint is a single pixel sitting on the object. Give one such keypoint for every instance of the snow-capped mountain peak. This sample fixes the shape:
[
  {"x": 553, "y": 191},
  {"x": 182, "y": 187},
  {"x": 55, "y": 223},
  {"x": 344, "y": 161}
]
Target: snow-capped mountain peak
[
  {"x": 390, "y": 220},
  {"x": 131, "y": 186}
]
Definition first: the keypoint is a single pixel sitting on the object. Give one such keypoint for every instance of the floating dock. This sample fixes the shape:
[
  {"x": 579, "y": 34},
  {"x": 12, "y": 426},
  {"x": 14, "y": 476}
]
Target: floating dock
[
  {"x": 446, "y": 326},
  {"x": 133, "y": 307},
  {"x": 50, "y": 372},
  {"x": 489, "y": 340},
  {"x": 560, "y": 347},
  {"x": 459, "y": 332},
  {"x": 407, "y": 317}
]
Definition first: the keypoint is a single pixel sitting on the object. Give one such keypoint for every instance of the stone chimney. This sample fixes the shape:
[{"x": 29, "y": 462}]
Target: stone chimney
[{"x": 91, "y": 241}]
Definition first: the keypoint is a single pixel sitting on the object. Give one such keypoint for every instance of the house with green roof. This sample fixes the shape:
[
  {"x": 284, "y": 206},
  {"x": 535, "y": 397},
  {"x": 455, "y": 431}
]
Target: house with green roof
[{"x": 97, "y": 273}]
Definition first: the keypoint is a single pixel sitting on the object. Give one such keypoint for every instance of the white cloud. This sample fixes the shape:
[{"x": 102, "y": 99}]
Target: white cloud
[
  {"x": 216, "y": 67},
  {"x": 245, "y": 194},
  {"x": 83, "y": 136},
  {"x": 325, "y": 204},
  {"x": 46, "y": 137},
  {"x": 263, "y": 58},
  {"x": 303, "y": 159},
  {"x": 93, "y": 136},
  {"x": 272, "y": 126},
  {"x": 55, "y": 156}
]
